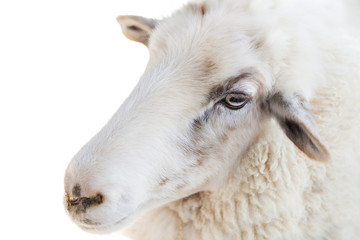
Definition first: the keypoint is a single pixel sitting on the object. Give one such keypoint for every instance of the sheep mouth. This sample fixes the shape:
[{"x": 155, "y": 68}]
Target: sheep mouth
[
  {"x": 97, "y": 227},
  {"x": 92, "y": 226},
  {"x": 83, "y": 220}
]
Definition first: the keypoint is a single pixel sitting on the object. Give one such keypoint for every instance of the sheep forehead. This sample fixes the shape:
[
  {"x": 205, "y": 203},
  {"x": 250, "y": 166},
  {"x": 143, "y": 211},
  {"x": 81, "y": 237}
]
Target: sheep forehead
[
  {"x": 203, "y": 52},
  {"x": 190, "y": 33}
]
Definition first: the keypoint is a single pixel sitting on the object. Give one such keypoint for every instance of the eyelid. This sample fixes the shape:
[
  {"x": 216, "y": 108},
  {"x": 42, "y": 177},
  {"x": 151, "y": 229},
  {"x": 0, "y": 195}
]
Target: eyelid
[
  {"x": 245, "y": 95},
  {"x": 236, "y": 92}
]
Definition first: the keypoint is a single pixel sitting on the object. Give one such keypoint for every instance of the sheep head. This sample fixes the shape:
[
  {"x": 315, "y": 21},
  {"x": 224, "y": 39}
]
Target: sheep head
[{"x": 206, "y": 94}]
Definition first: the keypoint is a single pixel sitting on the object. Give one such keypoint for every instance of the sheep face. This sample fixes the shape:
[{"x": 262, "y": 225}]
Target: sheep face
[{"x": 199, "y": 105}]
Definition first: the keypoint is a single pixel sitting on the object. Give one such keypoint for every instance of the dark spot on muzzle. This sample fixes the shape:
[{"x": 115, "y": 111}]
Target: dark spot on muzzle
[
  {"x": 76, "y": 191},
  {"x": 80, "y": 204},
  {"x": 84, "y": 201}
]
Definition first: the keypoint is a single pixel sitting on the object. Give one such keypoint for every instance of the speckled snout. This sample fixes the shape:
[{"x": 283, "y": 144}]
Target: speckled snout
[
  {"x": 85, "y": 201},
  {"x": 79, "y": 203}
]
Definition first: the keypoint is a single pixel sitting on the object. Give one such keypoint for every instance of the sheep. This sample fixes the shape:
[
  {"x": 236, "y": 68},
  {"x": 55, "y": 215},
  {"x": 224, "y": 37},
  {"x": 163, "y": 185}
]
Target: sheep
[{"x": 244, "y": 125}]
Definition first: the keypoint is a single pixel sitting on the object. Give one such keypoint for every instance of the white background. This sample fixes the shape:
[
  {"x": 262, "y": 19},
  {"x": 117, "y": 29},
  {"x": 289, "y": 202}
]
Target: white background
[{"x": 65, "y": 68}]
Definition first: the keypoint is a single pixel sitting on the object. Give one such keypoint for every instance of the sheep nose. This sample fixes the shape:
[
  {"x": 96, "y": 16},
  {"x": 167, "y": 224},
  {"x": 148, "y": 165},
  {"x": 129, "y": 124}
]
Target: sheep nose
[
  {"x": 86, "y": 201},
  {"x": 82, "y": 203}
]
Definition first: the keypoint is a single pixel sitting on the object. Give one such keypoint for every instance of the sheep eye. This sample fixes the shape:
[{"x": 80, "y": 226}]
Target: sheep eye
[{"x": 235, "y": 100}]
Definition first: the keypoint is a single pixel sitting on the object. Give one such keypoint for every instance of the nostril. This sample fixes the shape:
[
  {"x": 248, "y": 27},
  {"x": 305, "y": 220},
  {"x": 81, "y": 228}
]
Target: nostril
[
  {"x": 77, "y": 201},
  {"x": 86, "y": 202},
  {"x": 99, "y": 198}
]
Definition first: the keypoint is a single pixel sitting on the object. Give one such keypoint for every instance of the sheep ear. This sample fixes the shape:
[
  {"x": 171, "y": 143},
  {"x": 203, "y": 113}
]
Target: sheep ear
[
  {"x": 293, "y": 114},
  {"x": 137, "y": 28}
]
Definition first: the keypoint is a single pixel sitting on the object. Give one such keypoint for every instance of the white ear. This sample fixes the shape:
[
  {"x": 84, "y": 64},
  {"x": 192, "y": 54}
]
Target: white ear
[
  {"x": 137, "y": 28},
  {"x": 295, "y": 118}
]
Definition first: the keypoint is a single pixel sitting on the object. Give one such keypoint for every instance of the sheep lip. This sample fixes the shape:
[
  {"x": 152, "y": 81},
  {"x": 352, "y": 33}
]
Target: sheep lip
[
  {"x": 98, "y": 227},
  {"x": 90, "y": 225}
]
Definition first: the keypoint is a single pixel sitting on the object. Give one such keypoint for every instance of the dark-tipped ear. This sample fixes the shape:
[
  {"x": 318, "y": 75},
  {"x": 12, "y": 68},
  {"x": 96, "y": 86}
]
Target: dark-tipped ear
[
  {"x": 293, "y": 114},
  {"x": 137, "y": 28}
]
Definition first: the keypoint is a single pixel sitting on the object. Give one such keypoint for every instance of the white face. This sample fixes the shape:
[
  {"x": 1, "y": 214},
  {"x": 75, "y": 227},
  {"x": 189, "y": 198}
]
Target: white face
[{"x": 193, "y": 114}]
